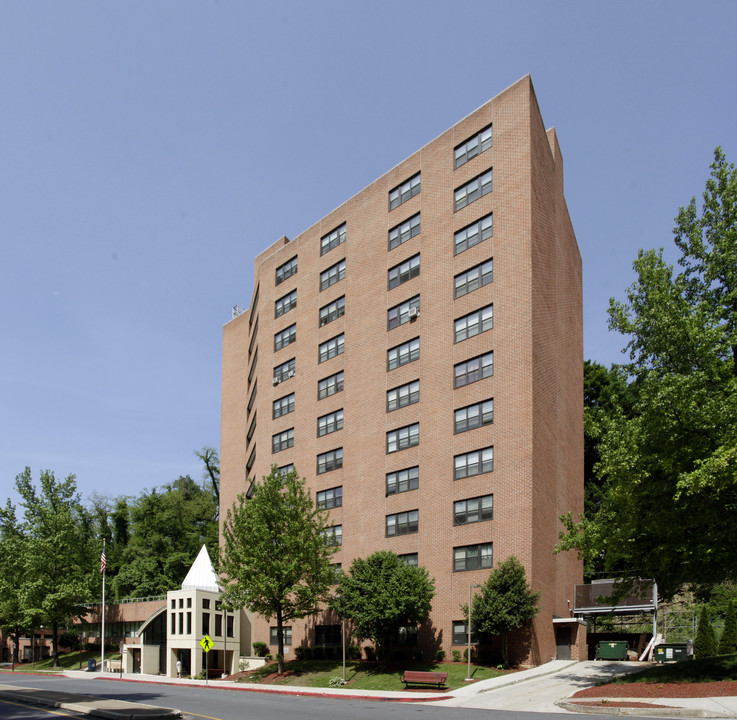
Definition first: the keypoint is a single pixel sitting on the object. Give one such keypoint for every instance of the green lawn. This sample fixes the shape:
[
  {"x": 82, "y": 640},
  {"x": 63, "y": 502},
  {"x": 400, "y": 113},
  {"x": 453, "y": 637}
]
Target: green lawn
[
  {"x": 723, "y": 667},
  {"x": 67, "y": 661},
  {"x": 366, "y": 675}
]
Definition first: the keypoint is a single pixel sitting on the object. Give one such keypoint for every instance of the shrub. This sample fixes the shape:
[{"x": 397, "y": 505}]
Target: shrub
[
  {"x": 456, "y": 655},
  {"x": 705, "y": 644},
  {"x": 440, "y": 656},
  {"x": 335, "y": 681},
  {"x": 318, "y": 652},
  {"x": 260, "y": 649},
  {"x": 473, "y": 654},
  {"x": 354, "y": 652},
  {"x": 299, "y": 652},
  {"x": 370, "y": 652},
  {"x": 728, "y": 641}
]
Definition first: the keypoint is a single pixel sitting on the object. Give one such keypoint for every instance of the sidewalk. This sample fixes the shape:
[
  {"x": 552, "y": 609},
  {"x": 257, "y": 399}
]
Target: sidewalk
[{"x": 546, "y": 688}]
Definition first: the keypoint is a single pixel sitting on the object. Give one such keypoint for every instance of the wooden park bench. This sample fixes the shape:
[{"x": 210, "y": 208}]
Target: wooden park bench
[{"x": 424, "y": 677}]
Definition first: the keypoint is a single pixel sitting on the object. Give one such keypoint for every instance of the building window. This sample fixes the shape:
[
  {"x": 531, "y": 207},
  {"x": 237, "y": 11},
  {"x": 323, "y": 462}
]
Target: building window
[
  {"x": 284, "y": 371},
  {"x": 254, "y": 337},
  {"x": 402, "y": 438},
  {"x": 282, "y": 441},
  {"x": 327, "y": 635},
  {"x": 328, "y": 461},
  {"x": 286, "y": 270},
  {"x": 332, "y": 239},
  {"x": 473, "y": 510},
  {"x": 404, "y": 523},
  {"x": 229, "y": 625},
  {"x": 474, "y": 233},
  {"x": 332, "y": 311},
  {"x": 472, "y": 557},
  {"x": 330, "y": 423},
  {"x": 404, "y": 271},
  {"x": 335, "y": 273},
  {"x": 205, "y": 623},
  {"x": 333, "y": 535},
  {"x": 473, "y": 190},
  {"x": 404, "y": 312},
  {"x": 470, "y": 371},
  {"x": 473, "y": 463},
  {"x": 285, "y": 469},
  {"x": 403, "y": 354},
  {"x": 331, "y": 348},
  {"x": 285, "y": 337},
  {"x": 460, "y": 633},
  {"x": 218, "y": 625},
  {"x": 189, "y": 623},
  {"x": 473, "y": 416},
  {"x": 402, "y": 480},
  {"x": 404, "y": 231},
  {"x": 337, "y": 572},
  {"x": 403, "y": 395},
  {"x": 251, "y": 460},
  {"x": 173, "y": 628},
  {"x": 330, "y": 385},
  {"x": 283, "y": 406},
  {"x": 410, "y": 559},
  {"x": 473, "y": 146},
  {"x": 285, "y": 304},
  {"x": 474, "y": 323},
  {"x": 474, "y": 278},
  {"x": 404, "y": 192},
  {"x": 286, "y": 635},
  {"x": 329, "y": 499}
]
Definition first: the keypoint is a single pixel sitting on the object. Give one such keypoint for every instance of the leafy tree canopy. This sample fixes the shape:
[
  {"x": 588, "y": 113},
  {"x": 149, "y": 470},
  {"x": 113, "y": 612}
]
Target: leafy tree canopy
[
  {"x": 275, "y": 557},
  {"x": 381, "y": 594},
  {"x": 668, "y": 462}
]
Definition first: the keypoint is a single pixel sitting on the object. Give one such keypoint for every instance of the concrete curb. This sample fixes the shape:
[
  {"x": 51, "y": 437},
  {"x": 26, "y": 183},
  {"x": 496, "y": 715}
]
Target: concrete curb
[
  {"x": 89, "y": 705},
  {"x": 298, "y": 691},
  {"x": 607, "y": 709}
]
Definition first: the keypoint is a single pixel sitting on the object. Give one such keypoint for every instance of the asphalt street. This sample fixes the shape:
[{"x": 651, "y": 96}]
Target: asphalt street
[{"x": 211, "y": 703}]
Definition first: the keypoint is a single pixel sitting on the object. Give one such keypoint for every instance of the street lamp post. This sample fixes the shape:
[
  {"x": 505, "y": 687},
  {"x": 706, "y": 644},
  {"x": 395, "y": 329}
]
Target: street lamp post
[{"x": 468, "y": 632}]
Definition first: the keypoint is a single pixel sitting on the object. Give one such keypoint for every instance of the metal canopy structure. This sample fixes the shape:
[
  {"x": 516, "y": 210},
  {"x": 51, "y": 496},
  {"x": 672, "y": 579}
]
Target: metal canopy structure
[{"x": 597, "y": 598}]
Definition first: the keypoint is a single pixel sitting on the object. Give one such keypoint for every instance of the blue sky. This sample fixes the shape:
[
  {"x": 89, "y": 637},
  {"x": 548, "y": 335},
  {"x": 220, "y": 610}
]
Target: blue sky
[{"x": 149, "y": 150}]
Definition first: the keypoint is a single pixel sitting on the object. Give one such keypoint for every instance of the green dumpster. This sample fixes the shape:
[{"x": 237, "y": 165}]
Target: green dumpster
[
  {"x": 611, "y": 650},
  {"x": 668, "y": 652}
]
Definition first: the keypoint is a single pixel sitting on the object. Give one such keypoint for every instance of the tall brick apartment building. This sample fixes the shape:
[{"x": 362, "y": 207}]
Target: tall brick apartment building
[{"x": 417, "y": 356}]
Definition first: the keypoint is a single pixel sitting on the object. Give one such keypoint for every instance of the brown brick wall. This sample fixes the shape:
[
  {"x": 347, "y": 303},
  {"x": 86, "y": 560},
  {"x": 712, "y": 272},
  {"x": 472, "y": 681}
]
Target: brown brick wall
[{"x": 537, "y": 432}]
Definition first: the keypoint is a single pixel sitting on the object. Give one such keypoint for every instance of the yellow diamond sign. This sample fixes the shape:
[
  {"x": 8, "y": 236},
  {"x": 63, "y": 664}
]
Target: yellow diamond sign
[{"x": 206, "y": 643}]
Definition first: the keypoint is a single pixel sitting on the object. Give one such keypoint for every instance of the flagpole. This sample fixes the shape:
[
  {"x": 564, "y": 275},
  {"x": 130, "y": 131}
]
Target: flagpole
[{"x": 103, "y": 566}]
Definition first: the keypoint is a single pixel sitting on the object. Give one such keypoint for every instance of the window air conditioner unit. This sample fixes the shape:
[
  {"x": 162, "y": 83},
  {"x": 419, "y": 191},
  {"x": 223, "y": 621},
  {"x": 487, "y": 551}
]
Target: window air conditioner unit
[
  {"x": 275, "y": 381},
  {"x": 291, "y": 373},
  {"x": 413, "y": 313}
]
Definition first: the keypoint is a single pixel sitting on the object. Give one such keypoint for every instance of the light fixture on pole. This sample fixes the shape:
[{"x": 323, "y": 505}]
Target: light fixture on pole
[{"x": 468, "y": 631}]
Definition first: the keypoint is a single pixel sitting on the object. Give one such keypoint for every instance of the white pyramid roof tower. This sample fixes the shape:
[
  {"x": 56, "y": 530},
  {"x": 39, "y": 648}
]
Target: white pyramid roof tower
[{"x": 201, "y": 575}]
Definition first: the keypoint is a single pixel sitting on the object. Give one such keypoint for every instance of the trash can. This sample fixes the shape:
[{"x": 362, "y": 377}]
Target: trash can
[
  {"x": 667, "y": 652},
  {"x": 611, "y": 650},
  {"x": 91, "y": 664}
]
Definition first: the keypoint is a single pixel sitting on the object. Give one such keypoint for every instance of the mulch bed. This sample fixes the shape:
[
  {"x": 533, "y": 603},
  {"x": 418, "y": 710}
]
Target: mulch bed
[
  {"x": 721, "y": 688},
  {"x": 616, "y": 704}
]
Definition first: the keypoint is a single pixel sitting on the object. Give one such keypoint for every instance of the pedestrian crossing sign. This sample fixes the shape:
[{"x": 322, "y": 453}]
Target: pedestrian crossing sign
[{"x": 206, "y": 643}]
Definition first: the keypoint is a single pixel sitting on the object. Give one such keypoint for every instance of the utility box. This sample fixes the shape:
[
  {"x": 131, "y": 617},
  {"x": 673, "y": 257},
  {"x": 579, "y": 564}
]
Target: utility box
[
  {"x": 91, "y": 664},
  {"x": 611, "y": 650},
  {"x": 668, "y": 652}
]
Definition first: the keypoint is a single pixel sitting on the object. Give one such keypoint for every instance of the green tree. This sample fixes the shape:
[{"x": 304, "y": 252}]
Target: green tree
[
  {"x": 57, "y": 555},
  {"x": 275, "y": 557},
  {"x": 504, "y": 603},
  {"x": 705, "y": 644},
  {"x": 728, "y": 640},
  {"x": 668, "y": 467},
  {"x": 156, "y": 537},
  {"x": 211, "y": 461},
  {"x": 381, "y": 594},
  {"x": 14, "y": 619}
]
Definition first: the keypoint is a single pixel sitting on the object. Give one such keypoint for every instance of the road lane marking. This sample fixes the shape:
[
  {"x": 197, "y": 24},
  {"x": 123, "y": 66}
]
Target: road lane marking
[{"x": 42, "y": 709}]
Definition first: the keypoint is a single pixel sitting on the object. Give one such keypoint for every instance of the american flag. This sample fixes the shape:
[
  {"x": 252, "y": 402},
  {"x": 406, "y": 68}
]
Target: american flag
[{"x": 103, "y": 563}]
